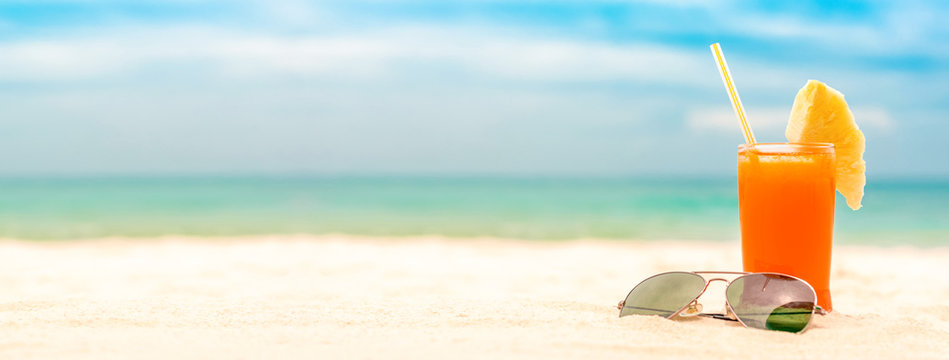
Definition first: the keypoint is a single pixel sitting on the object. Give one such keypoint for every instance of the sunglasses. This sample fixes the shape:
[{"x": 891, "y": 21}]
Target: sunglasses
[{"x": 768, "y": 301}]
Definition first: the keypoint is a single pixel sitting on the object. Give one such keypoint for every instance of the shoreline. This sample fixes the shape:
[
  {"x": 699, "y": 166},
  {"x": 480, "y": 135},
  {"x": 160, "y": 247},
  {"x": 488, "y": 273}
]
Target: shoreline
[{"x": 369, "y": 238}]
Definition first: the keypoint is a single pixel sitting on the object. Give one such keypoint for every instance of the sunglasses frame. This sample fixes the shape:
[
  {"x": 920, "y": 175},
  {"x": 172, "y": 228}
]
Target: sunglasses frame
[{"x": 694, "y": 305}]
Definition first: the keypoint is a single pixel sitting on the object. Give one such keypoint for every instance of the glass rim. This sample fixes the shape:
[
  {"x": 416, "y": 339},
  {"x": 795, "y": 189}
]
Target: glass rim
[{"x": 788, "y": 148}]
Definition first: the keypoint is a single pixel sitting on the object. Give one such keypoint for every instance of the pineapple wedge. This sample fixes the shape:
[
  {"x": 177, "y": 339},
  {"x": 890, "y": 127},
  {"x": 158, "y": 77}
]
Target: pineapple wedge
[{"x": 820, "y": 114}]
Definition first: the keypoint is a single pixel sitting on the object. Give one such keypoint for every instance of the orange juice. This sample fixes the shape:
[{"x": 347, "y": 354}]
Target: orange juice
[{"x": 786, "y": 206}]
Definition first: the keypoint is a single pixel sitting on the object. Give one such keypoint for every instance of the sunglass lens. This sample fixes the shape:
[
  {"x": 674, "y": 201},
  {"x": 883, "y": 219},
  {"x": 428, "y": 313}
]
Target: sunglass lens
[
  {"x": 772, "y": 301},
  {"x": 663, "y": 294}
]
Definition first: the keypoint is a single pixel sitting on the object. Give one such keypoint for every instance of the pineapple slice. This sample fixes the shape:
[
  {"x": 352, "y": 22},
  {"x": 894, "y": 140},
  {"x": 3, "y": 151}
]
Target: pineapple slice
[{"x": 820, "y": 114}]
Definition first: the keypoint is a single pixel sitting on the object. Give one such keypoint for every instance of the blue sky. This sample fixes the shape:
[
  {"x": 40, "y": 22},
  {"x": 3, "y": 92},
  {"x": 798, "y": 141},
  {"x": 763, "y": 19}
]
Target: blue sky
[{"x": 467, "y": 87}]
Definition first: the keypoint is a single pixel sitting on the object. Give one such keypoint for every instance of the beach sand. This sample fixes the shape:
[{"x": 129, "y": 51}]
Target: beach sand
[{"x": 342, "y": 297}]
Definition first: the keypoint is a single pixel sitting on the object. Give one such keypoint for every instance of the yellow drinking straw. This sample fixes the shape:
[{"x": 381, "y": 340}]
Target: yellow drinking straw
[{"x": 732, "y": 93}]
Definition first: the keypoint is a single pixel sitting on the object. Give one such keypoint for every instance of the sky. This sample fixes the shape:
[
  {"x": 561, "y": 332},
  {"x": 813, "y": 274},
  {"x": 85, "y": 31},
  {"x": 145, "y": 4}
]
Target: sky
[{"x": 535, "y": 88}]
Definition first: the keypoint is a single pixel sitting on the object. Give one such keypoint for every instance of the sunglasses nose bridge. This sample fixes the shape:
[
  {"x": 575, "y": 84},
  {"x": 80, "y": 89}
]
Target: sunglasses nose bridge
[
  {"x": 694, "y": 308},
  {"x": 709, "y": 282}
]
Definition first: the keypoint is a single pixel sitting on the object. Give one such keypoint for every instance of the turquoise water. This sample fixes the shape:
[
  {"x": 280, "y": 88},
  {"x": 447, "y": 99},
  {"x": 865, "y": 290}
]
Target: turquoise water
[{"x": 895, "y": 212}]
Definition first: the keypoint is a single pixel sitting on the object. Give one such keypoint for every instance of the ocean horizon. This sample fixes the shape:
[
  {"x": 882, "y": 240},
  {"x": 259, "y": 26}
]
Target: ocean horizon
[{"x": 895, "y": 212}]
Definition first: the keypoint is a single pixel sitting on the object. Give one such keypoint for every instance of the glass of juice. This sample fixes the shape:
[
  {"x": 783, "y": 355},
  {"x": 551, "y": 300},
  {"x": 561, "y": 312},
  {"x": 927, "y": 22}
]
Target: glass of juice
[{"x": 786, "y": 205}]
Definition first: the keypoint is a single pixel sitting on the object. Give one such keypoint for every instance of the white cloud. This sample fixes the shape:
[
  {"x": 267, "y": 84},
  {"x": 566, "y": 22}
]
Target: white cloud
[
  {"x": 873, "y": 117},
  {"x": 903, "y": 28},
  {"x": 406, "y": 52},
  {"x": 492, "y": 52},
  {"x": 723, "y": 119},
  {"x": 378, "y": 53}
]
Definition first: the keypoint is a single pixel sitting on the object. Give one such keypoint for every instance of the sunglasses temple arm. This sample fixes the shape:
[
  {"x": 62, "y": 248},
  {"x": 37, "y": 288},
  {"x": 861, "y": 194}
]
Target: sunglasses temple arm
[{"x": 719, "y": 316}]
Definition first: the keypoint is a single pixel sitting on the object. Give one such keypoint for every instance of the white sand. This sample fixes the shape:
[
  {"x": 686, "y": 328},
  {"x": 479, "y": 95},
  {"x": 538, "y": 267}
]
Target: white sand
[{"x": 343, "y": 297}]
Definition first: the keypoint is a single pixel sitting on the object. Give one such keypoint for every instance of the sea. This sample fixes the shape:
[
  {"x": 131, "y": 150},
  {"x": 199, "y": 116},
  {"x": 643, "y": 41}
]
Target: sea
[{"x": 895, "y": 212}]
